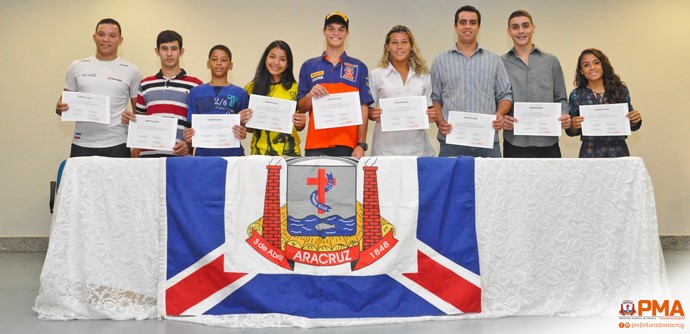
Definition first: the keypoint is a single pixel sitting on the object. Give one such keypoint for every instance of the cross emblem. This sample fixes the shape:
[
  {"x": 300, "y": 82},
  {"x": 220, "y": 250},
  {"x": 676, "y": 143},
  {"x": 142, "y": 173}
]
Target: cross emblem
[{"x": 320, "y": 181}]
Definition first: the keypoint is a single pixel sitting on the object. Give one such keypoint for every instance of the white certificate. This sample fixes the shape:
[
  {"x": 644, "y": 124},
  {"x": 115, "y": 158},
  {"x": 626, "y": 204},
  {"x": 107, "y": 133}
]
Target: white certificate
[
  {"x": 337, "y": 110},
  {"x": 470, "y": 129},
  {"x": 271, "y": 114},
  {"x": 215, "y": 131},
  {"x": 152, "y": 132},
  {"x": 537, "y": 119},
  {"x": 404, "y": 113},
  {"x": 86, "y": 107},
  {"x": 605, "y": 120}
]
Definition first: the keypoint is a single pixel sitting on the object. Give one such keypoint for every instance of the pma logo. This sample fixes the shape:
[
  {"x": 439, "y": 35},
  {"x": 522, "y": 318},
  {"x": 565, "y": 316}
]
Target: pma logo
[
  {"x": 661, "y": 308},
  {"x": 627, "y": 308},
  {"x": 652, "y": 308}
]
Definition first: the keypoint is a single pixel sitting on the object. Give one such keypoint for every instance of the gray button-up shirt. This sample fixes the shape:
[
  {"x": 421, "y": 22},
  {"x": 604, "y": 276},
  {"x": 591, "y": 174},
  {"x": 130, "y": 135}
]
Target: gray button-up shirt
[
  {"x": 475, "y": 84},
  {"x": 540, "y": 81}
]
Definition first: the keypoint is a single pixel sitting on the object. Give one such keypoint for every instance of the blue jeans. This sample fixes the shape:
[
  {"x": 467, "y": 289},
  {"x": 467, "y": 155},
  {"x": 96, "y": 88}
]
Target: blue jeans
[{"x": 450, "y": 150}]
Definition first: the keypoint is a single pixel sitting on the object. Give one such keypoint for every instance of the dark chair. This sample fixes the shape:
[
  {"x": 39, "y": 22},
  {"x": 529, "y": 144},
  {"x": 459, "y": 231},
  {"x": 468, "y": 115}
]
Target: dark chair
[{"x": 55, "y": 184}]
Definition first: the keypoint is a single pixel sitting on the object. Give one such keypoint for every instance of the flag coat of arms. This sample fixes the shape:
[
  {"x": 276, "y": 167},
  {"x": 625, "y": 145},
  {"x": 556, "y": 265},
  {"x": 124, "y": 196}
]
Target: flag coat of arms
[{"x": 320, "y": 238}]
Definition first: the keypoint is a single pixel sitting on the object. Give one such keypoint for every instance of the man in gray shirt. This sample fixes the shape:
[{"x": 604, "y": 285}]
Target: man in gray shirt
[
  {"x": 469, "y": 78},
  {"x": 535, "y": 76}
]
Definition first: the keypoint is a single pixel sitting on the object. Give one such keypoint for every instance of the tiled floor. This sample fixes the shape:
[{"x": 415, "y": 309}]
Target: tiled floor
[{"x": 19, "y": 281}]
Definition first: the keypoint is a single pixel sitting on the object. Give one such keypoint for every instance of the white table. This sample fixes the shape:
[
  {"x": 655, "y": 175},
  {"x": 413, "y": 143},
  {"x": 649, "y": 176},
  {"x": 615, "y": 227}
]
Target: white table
[{"x": 556, "y": 236}]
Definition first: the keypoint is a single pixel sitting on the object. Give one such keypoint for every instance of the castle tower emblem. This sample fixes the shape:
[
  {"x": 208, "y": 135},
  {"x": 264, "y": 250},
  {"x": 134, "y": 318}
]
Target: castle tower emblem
[{"x": 322, "y": 223}]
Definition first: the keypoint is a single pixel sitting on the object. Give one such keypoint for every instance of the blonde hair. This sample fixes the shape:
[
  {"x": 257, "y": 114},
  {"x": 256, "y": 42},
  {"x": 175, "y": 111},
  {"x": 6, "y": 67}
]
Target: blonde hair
[{"x": 416, "y": 60}]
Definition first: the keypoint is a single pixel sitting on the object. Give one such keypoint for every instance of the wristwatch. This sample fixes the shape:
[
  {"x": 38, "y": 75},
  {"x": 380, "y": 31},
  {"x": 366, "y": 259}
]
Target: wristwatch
[{"x": 364, "y": 146}]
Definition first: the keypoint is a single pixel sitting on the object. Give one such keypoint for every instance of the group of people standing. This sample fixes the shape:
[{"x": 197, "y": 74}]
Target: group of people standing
[{"x": 465, "y": 78}]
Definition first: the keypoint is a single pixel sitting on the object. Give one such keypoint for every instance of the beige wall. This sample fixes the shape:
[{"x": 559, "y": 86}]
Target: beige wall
[{"x": 647, "y": 42}]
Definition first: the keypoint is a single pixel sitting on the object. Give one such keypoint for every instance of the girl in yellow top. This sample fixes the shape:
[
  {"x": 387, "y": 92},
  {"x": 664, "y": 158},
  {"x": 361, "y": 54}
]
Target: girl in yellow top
[{"x": 274, "y": 78}]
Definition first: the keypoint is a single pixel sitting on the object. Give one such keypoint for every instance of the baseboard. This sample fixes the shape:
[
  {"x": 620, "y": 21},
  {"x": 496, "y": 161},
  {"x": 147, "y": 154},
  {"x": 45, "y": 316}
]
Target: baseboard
[
  {"x": 675, "y": 242},
  {"x": 40, "y": 244},
  {"x": 23, "y": 244}
]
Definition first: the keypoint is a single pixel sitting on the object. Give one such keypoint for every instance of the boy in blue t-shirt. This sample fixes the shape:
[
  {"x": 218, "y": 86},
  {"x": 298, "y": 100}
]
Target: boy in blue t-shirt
[{"x": 219, "y": 97}]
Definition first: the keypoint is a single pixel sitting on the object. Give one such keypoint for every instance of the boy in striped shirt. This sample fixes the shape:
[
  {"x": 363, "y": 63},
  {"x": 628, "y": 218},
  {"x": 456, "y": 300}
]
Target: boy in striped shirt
[{"x": 165, "y": 93}]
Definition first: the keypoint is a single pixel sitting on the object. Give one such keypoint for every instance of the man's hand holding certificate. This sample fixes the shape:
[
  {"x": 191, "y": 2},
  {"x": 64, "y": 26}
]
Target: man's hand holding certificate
[
  {"x": 86, "y": 107},
  {"x": 537, "y": 119},
  {"x": 271, "y": 114},
  {"x": 337, "y": 110},
  {"x": 215, "y": 131},
  {"x": 605, "y": 120},
  {"x": 470, "y": 129},
  {"x": 404, "y": 113},
  {"x": 151, "y": 132}
]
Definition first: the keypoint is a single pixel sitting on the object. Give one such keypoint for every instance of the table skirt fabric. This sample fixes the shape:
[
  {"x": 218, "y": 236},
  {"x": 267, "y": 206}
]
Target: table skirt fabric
[{"x": 570, "y": 237}]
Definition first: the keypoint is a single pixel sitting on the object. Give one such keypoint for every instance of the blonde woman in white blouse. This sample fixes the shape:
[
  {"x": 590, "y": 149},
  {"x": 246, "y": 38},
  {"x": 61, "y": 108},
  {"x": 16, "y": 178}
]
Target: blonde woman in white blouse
[{"x": 402, "y": 72}]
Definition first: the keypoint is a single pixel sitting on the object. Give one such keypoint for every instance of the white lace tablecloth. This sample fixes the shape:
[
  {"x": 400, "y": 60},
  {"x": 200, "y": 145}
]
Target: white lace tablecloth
[
  {"x": 556, "y": 237},
  {"x": 566, "y": 236},
  {"x": 102, "y": 259}
]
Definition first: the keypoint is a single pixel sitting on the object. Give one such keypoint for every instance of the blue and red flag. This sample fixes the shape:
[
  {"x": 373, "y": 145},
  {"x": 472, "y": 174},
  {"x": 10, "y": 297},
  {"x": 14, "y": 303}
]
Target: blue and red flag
[{"x": 253, "y": 236}]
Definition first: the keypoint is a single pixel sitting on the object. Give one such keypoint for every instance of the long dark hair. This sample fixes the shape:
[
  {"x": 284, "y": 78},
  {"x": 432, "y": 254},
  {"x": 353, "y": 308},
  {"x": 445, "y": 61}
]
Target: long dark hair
[
  {"x": 263, "y": 79},
  {"x": 613, "y": 85}
]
